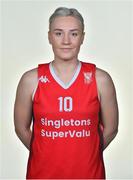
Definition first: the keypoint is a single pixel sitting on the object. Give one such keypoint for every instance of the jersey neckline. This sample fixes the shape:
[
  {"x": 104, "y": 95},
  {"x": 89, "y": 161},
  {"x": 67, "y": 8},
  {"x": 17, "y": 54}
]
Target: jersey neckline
[{"x": 59, "y": 81}]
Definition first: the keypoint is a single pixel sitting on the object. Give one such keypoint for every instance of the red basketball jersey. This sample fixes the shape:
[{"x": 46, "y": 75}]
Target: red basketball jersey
[{"x": 66, "y": 141}]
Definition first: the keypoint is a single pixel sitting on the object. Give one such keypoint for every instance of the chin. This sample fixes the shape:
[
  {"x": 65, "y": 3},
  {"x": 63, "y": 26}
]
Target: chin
[{"x": 66, "y": 58}]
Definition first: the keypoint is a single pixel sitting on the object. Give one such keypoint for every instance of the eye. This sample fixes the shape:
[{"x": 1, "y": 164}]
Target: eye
[
  {"x": 58, "y": 33},
  {"x": 74, "y": 34}
]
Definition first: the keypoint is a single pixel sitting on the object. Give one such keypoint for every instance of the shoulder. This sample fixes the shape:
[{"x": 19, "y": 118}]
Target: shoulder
[
  {"x": 105, "y": 83},
  {"x": 29, "y": 80},
  {"x": 30, "y": 76},
  {"x": 103, "y": 76}
]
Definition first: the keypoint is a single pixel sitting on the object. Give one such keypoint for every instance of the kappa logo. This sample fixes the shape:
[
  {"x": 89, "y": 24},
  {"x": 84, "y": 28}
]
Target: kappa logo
[
  {"x": 87, "y": 77},
  {"x": 44, "y": 79}
]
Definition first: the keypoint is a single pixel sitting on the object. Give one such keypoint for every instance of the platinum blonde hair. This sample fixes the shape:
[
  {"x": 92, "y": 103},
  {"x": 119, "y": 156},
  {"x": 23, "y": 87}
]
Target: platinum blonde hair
[{"x": 63, "y": 11}]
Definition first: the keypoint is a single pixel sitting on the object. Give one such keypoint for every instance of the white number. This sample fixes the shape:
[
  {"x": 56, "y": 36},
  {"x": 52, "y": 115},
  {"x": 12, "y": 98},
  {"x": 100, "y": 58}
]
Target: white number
[
  {"x": 65, "y": 104},
  {"x": 60, "y": 104}
]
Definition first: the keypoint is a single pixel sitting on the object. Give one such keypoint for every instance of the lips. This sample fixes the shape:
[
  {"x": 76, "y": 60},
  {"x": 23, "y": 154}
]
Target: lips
[{"x": 66, "y": 49}]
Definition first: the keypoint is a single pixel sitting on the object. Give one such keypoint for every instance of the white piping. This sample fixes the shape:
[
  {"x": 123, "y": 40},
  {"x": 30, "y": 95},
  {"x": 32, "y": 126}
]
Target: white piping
[
  {"x": 61, "y": 83},
  {"x": 33, "y": 94}
]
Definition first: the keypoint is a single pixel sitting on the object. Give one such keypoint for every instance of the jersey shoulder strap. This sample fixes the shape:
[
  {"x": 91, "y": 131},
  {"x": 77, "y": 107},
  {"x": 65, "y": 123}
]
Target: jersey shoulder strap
[
  {"x": 89, "y": 67},
  {"x": 42, "y": 69}
]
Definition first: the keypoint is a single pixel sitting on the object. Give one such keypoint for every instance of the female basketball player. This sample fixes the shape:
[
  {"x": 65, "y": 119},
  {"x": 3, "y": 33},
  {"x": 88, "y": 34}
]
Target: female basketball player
[{"x": 72, "y": 104}]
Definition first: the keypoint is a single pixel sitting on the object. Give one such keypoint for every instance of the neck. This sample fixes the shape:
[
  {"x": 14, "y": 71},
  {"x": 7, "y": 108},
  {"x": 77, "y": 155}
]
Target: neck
[{"x": 65, "y": 66}]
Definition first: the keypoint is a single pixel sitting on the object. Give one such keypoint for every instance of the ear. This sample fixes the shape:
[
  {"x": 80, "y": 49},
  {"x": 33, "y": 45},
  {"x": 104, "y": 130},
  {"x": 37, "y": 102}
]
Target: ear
[
  {"x": 82, "y": 39},
  {"x": 49, "y": 37}
]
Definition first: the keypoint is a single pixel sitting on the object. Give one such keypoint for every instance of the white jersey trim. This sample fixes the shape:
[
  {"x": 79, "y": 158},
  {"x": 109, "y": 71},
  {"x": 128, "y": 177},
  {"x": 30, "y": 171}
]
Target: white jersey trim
[
  {"x": 59, "y": 81},
  {"x": 33, "y": 94}
]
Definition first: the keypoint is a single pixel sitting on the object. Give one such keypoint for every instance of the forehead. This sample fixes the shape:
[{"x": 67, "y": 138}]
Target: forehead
[{"x": 67, "y": 22}]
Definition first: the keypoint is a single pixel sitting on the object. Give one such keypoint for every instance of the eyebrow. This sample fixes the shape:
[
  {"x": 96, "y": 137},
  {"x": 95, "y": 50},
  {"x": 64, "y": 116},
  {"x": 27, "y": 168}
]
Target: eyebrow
[{"x": 70, "y": 30}]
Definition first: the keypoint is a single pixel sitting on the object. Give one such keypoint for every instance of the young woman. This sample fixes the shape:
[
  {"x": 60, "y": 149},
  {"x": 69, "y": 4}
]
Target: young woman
[{"x": 72, "y": 104}]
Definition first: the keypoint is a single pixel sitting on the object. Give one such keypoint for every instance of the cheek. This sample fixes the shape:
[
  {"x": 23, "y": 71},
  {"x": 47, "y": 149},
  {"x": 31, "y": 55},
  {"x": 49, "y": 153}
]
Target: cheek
[
  {"x": 77, "y": 43},
  {"x": 56, "y": 42}
]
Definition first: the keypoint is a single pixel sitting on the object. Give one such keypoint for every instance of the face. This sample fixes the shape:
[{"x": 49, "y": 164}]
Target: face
[{"x": 66, "y": 36}]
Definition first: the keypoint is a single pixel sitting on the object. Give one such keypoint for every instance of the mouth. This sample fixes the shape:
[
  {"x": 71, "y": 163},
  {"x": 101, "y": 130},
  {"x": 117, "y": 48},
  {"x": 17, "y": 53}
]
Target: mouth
[{"x": 66, "y": 49}]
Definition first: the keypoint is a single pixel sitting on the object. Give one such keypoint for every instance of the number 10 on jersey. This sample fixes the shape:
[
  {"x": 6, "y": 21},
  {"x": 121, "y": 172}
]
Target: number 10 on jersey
[{"x": 65, "y": 104}]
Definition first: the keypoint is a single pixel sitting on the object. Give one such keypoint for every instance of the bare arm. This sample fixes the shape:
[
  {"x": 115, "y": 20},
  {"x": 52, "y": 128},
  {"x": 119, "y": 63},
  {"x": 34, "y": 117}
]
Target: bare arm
[
  {"x": 23, "y": 107},
  {"x": 109, "y": 106}
]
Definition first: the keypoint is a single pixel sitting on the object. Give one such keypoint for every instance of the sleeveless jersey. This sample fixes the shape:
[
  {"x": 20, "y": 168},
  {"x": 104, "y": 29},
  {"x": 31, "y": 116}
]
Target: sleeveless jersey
[{"x": 66, "y": 141}]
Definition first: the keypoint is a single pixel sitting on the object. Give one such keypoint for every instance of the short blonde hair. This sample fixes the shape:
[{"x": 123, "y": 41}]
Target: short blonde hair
[{"x": 63, "y": 11}]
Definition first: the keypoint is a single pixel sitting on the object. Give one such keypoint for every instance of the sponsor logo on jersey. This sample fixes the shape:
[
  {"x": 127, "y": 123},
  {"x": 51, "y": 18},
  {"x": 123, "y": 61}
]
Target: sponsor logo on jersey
[
  {"x": 44, "y": 79},
  {"x": 87, "y": 77},
  {"x": 81, "y": 128}
]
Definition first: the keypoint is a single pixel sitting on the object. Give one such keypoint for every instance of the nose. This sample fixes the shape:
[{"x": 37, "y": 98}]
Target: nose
[{"x": 66, "y": 39}]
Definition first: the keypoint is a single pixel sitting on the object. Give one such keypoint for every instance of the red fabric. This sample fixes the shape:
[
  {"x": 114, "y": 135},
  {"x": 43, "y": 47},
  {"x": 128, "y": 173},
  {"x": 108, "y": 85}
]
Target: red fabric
[{"x": 70, "y": 117}]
